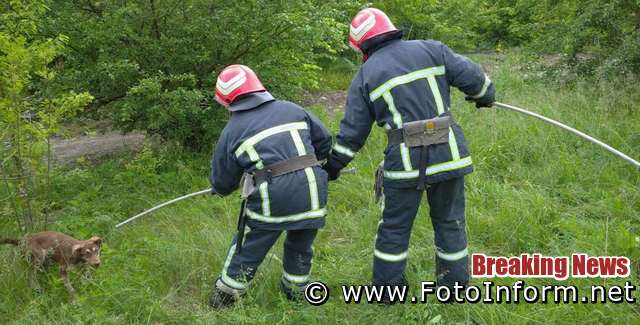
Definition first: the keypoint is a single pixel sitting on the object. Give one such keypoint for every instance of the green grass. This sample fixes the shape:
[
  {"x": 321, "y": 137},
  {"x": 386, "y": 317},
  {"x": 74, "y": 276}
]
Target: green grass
[{"x": 535, "y": 190}]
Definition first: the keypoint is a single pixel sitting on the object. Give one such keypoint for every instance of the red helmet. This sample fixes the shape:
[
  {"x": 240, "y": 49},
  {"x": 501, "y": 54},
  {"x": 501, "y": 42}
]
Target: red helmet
[
  {"x": 367, "y": 24},
  {"x": 236, "y": 80}
]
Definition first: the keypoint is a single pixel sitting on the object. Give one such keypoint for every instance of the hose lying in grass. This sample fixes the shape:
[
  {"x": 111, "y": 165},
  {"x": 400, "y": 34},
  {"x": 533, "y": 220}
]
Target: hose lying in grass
[
  {"x": 572, "y": 130},
  {"x": 184, "y": 197}
]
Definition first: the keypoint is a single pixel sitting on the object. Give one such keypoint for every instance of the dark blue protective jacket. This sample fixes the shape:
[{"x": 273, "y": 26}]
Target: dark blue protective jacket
[
  {"x": 263, "y": 131},
  {"x": 404, "y": 81}
]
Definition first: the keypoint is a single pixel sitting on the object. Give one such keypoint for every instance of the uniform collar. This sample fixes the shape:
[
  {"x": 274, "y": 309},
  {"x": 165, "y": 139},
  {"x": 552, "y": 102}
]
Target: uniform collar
[
  {"x": 378, "y": 42},
  {"x": 250, "y": 101}
]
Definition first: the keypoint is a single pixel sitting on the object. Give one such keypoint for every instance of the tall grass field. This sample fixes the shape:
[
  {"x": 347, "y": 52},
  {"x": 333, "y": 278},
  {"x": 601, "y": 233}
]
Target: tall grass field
[{"x": 535, "y": 189}]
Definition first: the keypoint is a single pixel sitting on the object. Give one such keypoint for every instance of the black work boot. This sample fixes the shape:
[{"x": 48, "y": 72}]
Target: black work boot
[
  {"x": 386, "y": 299},
  {"x": 220, "y": 299},
  {"x": 292, "y": 292}
]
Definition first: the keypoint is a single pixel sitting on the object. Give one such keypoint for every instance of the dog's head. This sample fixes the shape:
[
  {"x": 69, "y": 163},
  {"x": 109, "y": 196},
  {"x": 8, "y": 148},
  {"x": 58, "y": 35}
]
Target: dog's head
[{"x": 89, "y": 251}]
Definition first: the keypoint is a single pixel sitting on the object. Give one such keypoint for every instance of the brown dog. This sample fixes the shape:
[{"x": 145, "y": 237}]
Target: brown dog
[{"x": 62, "y": 249}]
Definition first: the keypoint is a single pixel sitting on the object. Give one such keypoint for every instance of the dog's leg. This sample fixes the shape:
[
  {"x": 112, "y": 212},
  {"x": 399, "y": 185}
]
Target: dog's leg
[
  {"x": 36, "y": 265},
  {"x": 67, "y": 283},
  {"x": 33, "y": 279}
]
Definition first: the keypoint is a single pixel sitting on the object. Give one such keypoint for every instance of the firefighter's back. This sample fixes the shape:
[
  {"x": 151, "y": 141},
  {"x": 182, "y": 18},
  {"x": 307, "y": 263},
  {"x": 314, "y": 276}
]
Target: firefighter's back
[
  {"x": 408, "y": 81},
  {"x": 405, "y": 69},
  {"x": 271, "y": 133}
]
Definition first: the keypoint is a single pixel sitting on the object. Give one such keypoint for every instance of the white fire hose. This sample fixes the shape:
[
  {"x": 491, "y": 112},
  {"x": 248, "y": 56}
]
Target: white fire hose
[
  {"x": 570, "y": 129},
  {"x": 352, "y": 170}
]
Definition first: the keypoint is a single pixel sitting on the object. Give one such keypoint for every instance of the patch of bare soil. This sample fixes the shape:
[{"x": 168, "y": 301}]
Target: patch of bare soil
[{"x": 332, "y": 101}]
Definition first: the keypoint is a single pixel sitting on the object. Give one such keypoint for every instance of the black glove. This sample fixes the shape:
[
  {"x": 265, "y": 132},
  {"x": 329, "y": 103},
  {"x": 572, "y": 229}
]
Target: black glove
[
  {"x": 485, "y": 101},
  {"x": 332, "y": 168}
]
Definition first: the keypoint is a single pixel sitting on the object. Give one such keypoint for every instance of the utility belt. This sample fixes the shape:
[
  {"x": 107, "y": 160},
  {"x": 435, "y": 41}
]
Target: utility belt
[
  {"x": 251, "y": 181},
  {"x": 421, "y": 134}
]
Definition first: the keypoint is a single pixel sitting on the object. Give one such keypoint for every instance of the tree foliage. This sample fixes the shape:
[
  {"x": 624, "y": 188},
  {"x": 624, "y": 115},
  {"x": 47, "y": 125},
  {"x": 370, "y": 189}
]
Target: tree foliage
[
  {"x": 30, "y": 110},
  {"x": 152, "y": 64},
  {"x": 606, "y": 31}
]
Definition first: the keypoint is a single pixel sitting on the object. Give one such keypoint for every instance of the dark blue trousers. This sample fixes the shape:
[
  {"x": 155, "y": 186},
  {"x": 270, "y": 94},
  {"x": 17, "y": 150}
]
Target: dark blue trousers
[
  {"x": 447, "y": 204},
  {"x": 239, "y": 269}
]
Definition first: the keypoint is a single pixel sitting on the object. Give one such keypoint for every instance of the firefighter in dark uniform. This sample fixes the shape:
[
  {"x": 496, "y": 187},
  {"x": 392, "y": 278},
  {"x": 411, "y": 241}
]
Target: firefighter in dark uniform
[
  {"x": 276, "y": 146},
  {"x": 403, "y": 86}
]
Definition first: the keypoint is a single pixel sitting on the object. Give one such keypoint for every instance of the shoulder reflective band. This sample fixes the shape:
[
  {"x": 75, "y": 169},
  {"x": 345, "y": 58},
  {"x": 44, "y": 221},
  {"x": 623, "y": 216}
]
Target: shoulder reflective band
[
  {"x": 404, "y": 79},
  {"x": 572, "y": 130},
  {"x": 162, "y": 205},
  {"x": 267, "y": 133}
]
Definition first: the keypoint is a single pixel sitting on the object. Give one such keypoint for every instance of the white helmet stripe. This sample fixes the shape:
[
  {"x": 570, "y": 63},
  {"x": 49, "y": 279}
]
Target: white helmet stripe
[
  {"x": 227, "y": 87},
  {"x": 358, "y": 32}
]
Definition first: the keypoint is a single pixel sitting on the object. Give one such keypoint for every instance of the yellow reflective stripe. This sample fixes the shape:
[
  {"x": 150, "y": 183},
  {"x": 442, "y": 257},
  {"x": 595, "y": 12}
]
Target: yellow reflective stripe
[
  {"x": 253, "y": 156},
  {"x": 264, "y": 187},
  {"x": 313, "y": 188},
  {"x": 264, "y": 194},
  {"x": 453, "y": 145},
  {"x": 250, "y": 142},
  {"x": 449, "y": 166},
  {"x": 406, "y": 157},
  {"x": 485, "y": 86},
  {"x": 431, "y": 170},
  {"x": 435, "y": 90},
  {"x": 391, "y": 257},
  {"x": 290, "y": 218},
  {"x": 220, "y": 285},
  {"x": 397, "y": 119},
  {"x": 404, "y": 79},
  {"x": 295, "y": 278},
  {"x": 225, "y": 278},
  {"x": 297, "y": 140},
  {"x": 452, "y": 257},
  {"x": 343, "y": 150},
  {"x": 311, "y": 177}
]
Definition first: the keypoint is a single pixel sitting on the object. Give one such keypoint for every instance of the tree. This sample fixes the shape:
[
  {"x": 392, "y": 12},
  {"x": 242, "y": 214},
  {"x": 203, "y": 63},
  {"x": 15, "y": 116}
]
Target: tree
[
  {"x": 152, "y": 64},
  {"x": 29, "y": 115}
]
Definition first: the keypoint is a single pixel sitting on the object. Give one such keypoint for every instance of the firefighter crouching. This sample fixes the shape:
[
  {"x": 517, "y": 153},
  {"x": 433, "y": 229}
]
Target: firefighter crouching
[
  {"x": 403, "y": 86},
  {"x": 274, "y": 146}
]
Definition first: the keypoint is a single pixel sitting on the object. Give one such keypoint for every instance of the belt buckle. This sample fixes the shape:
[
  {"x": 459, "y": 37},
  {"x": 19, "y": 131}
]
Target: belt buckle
[{"x": 268, "y": 175}]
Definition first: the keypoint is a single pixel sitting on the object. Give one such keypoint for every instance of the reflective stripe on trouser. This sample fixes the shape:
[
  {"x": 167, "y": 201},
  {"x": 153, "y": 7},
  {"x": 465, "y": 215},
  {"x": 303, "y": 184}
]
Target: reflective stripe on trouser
[
  {"x": 446, "y": 200},
  {"x": 394, "y": 232},
  {"x": 298, "y": 253},
  {"x": 447, "y": 204},
  {"x": 239, "y": 269}
]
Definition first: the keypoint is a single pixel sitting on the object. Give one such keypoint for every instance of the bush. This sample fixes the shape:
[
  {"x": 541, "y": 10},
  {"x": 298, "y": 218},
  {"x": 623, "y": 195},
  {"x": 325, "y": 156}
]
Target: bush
[
  {"x": 31, "y": 109},
  {"x": 152, "y": 64}
]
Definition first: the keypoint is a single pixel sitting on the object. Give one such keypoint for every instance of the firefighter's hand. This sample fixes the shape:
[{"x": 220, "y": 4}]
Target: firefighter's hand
[
  {"x": 485, "y": 101},
  {"x": 332, "y": 170},
  {"x": 479, "y": 102}
]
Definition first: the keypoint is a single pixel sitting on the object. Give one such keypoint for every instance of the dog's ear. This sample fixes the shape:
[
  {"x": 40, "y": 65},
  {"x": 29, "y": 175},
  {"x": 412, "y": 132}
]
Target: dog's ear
[
  {"x": 96, "y": 240},
  {"x": 75, "y": 250}
]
